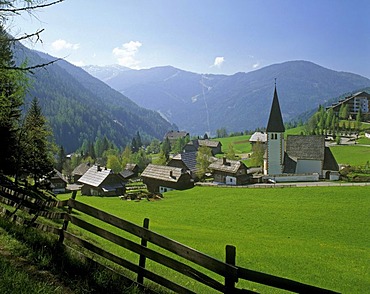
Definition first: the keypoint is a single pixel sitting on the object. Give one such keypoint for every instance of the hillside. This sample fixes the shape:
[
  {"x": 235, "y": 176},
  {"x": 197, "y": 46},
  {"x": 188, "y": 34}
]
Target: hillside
[
  {"x": 202, "y": 102},
  {"x": 80, "y": 107}
]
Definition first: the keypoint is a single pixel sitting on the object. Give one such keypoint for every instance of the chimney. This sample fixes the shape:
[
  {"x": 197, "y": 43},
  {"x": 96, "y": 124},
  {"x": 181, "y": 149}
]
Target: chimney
[
  {"x": 98, "y": 168},
  {"x": 171, "y": 174},
  {"x": 224, "y": 160}
]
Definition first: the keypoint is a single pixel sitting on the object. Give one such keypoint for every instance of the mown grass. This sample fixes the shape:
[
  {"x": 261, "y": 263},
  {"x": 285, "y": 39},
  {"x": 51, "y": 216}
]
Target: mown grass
[
  {"x": 316, "y": 235},
  {"x": 363, "y": 141},
  {"x": 241, "y": 144},
  {"x": 354, "y": 155}
]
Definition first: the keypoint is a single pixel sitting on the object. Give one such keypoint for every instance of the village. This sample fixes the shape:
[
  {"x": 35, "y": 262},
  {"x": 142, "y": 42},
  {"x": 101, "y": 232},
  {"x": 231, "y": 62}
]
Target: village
[{"x": 298, "y": 158}]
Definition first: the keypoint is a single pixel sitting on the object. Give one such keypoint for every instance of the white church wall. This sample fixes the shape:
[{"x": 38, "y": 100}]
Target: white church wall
[
  {"x": 294, "y": 178},
  {"x": 308, "y": 166},
  {"x": 274, "y": 164}
]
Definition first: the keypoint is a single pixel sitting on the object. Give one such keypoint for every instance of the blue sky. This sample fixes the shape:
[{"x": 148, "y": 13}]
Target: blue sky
[{"x": 205, "y": 36}]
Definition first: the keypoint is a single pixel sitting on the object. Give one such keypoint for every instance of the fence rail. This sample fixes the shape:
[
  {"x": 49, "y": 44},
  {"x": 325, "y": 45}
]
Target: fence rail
[{"x": 228, "y": 270}]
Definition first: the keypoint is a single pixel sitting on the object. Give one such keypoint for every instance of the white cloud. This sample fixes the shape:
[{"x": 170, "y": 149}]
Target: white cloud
[
  {"x": 60, "y": 44},
  {"x": 126, "y": 54},
  {"x": 218, "y": 61},
  {"x": 256, "y": 65}
]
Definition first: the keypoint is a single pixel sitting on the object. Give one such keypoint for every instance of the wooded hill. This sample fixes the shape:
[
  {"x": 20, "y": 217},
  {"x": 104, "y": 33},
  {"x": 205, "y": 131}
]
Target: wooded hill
[{"x": 80, "y": 107}]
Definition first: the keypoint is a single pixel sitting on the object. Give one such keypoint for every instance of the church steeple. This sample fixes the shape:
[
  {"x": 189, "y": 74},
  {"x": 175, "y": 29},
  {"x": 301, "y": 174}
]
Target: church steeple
[
  {"x": 274, "y": 156},
  {"x": 275, "y": 122}
]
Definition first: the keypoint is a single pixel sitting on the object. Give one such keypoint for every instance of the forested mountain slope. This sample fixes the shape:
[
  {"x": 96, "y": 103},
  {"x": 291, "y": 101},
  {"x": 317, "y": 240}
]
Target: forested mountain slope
[
  {"x": 202, "y": 102},
  {"x": 80, "y": 107}
]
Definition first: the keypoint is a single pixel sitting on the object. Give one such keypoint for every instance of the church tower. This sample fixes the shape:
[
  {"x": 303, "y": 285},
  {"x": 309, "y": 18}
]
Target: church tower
[{"x": 274, "y": 156}]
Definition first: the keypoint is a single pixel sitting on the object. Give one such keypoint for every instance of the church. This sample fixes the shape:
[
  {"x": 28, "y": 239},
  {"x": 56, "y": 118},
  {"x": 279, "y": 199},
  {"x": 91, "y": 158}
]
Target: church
[{"x": 300, "y": 158}]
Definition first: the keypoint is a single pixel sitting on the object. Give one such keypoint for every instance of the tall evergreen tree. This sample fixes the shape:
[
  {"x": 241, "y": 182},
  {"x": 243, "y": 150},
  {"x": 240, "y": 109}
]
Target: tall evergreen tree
[
  {"x": 134, "y": 146},
  {"x": 12, "y": 90},
  {"x": 139, "y": 142},
  {"x": 39, "y": 162}
]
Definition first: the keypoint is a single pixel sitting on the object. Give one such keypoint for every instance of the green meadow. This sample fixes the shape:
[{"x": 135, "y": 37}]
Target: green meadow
[
  {"x": 315, "y": 235},
  {"x": 355, "y": 155},
  {"x": 241, "y": 144}
]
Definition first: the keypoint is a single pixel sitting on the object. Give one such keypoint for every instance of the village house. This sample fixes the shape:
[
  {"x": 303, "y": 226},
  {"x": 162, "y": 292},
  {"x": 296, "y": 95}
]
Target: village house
[
  {"x": 100, "y": 181},
  {"x": 187, "y": 161},
  {"x": 230, "y": 172},
  {"x": 131, "y": 171},
  {"x": 194, "y": 145},
  {"x": 80, "y": 170},
  {"x": 173, "y": 136},
  {"x": 160, "y": 179},
  {"x": 58, "y": 183},
  {"x": 302, "y": 158}
]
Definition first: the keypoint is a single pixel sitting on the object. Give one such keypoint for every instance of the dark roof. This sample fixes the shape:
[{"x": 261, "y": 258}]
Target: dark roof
[
  {"x": 275, "y": 122},
  {"x": 329, "y": 161},
  {"x": 126, "y": 173},
  {"x": 305, "y": 147},
  {"x": 188, "y": 158},
  {"x": 81, "y": 169},
  {"x": 57, "y": 175},
  {"x": 95, "y": 176},
  {"x": 290, "y": 164},
  {"x": 131, "y": 166},
  {"x": 227, "y": 165},
  {"x": 161, "y": 172},
  {"x": 209, "y": 143},
  {"x": 173, "y": 135}
]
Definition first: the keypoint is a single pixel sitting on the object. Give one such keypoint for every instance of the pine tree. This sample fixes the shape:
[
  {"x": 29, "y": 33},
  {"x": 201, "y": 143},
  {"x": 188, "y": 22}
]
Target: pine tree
[
  {"x": 358, "y": 121},
  {"x": 39, "y": 162},
  {"x": 12, "y": 89},
  {"x": 134, "y": 147},
  {"x": 139, "y": 143}
]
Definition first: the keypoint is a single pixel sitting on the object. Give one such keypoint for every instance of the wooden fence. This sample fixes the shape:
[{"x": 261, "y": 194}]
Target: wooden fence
[{"x": 228, "y": 271}]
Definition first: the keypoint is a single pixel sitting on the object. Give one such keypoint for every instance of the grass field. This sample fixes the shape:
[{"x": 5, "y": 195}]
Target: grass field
[
  {"x": 317, "y": 235},
  {"x": 353, "y": 155},
  {"x": 241, "y": 144}
]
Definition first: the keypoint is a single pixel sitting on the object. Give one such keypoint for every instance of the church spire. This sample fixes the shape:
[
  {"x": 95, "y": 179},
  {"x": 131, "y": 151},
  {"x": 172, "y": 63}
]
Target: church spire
[{"x": 275, "y": 122}]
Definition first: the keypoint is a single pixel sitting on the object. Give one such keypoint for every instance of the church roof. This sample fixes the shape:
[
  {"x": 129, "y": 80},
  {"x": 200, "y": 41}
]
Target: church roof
[
  {"x": 275, "y": 122},
  {"x": 305, "y": 147}
]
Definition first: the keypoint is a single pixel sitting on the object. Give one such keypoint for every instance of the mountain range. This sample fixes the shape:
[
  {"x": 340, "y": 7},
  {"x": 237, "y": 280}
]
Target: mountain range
[
  {"x": 81, "y": 108},
  {"x": 200, "y": 103}
]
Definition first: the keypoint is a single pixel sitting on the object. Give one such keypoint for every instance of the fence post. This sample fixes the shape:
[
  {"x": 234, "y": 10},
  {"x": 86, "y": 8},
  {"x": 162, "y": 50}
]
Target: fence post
[
  {"x": 142, "y": 259},
  {"x": 229, "y": 278},
  {"x": 65, "y": 223}
]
